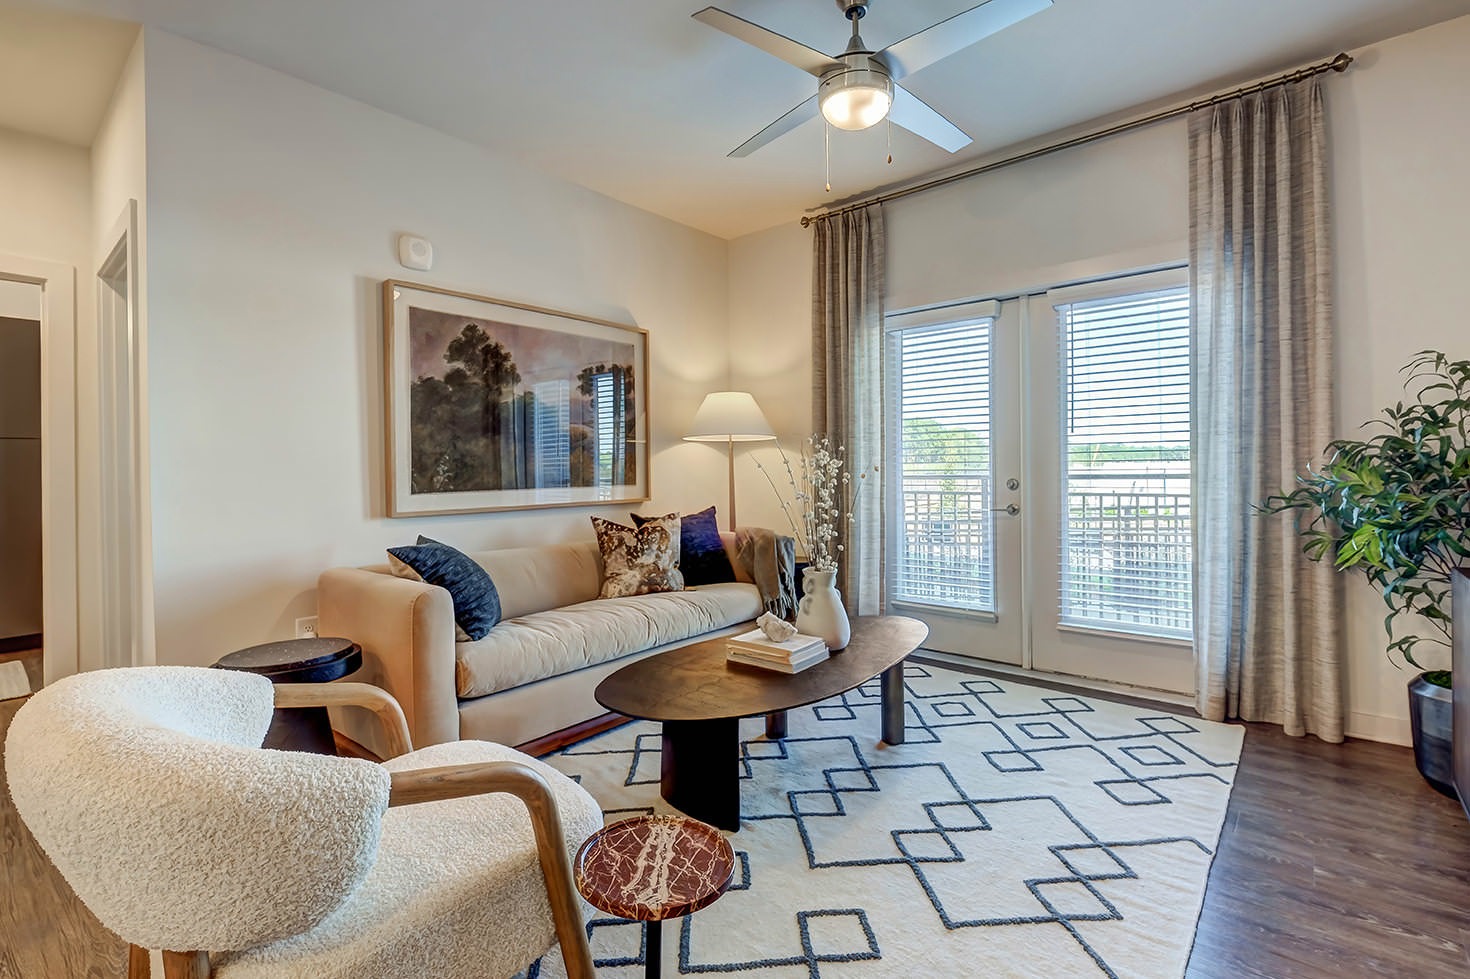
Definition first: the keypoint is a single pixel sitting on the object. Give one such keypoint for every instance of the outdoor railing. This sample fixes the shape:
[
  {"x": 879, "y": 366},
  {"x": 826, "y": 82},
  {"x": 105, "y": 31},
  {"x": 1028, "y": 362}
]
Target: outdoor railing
[
  {"x": 945, "y": 544},
  {"x": 1125, "y": 554},
  {"x": 1126, "y": 559}
]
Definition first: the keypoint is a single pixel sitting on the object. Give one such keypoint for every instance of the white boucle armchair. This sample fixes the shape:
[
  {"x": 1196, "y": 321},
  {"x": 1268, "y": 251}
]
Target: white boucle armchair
[{"x": 149, "y": 790}]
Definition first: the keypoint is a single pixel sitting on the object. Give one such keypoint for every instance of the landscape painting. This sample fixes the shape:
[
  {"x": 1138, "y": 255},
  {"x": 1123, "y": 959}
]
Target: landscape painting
[{"x": 496, "y": 405}]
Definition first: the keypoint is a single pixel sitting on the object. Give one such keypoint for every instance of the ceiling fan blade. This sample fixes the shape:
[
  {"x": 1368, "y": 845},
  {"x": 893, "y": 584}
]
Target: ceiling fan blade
[
  {"x": 809, "y": 60},
  {"x": 955, "y": 34},
  {"x": 915, "y": 115},
  {"x": 803, "y": 112}
]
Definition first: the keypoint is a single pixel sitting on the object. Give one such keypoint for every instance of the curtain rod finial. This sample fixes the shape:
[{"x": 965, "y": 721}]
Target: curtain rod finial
[
  {"x": 1341, "y": 62},
  {"x": 805, "y": 221}
]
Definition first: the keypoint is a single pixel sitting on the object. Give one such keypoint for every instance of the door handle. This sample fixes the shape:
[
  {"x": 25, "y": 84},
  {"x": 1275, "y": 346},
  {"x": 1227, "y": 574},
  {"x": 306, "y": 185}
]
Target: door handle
[{"x": 1009, "y": 508}]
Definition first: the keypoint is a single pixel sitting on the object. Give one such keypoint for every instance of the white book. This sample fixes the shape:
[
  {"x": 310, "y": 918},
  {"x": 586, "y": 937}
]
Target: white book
[
  {"x": 795, "y": 665},
  {"x": 756, "y": 642}
]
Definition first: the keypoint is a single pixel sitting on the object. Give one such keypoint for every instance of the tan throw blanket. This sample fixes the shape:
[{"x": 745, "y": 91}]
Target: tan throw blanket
[{"x": 770, "y": 560}]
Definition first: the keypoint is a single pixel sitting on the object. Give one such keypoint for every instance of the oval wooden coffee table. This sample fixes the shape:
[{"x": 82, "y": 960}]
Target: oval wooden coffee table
[{"x": 700, "y": 699}]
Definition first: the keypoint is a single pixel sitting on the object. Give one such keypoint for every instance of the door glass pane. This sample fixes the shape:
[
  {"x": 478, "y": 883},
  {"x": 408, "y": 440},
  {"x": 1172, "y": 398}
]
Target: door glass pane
[
  {"x": 1125, "y": 535},
  {"x": 940, "y": 466}
]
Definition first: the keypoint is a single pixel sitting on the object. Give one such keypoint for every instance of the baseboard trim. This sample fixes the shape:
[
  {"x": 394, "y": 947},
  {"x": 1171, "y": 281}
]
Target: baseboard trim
[
  {"x": 1385, "y": 728},
  {"x": 348, "y": 748},
  {"x": 544, "y": 745},
  {"x": 21, "y": 644},
  {"x": 567, "y": 736},
  {"x": 1086, "y": 683}
]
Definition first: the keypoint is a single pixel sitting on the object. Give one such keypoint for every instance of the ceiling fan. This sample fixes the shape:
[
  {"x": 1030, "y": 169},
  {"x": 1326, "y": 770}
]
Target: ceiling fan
[{"x": 859, "y": 87}]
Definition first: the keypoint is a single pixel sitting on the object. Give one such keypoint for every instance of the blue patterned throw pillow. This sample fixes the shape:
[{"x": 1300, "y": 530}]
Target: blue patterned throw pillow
[
  {"x": 476, "y": 602},
  {"x": 702, "y": 555}
]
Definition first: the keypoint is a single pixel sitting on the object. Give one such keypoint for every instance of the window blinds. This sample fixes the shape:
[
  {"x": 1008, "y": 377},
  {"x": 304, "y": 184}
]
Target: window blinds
[
  {"x": 1125, "y": 529},
  {"x": 940, "y": 465}
]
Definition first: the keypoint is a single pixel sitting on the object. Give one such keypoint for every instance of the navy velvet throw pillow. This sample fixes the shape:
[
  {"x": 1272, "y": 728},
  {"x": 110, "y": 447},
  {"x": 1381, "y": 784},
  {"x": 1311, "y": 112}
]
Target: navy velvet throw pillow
[
  {"x": 702, "y": 555},
  {"x": 476, "y": 602}
]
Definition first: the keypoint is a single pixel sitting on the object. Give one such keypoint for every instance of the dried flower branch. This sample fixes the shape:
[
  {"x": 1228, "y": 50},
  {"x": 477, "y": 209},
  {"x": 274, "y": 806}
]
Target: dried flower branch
[{"x": 825, "y": 495}]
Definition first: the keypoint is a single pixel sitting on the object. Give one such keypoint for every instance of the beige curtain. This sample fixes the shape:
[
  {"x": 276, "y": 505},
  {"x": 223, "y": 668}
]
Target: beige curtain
[
  {"x": 847, "y": 389},
  {"x": 1268, "y": 635}
]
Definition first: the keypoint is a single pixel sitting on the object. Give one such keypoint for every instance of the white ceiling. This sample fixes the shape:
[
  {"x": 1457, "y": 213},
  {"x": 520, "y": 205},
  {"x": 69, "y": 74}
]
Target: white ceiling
[
  {"x": 58, "y": 70},
  {"x": 636, "y": 100}
]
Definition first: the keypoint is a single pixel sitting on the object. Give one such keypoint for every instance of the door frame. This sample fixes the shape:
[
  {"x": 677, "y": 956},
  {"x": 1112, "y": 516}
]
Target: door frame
[
  {"x": 1023, "y": 289},
  {"x": 1132, "y": 659},
  {"x": 1001, "y": 632},
  {"x": 119, "y": 313},
  {"x": 58, "y": 457}
]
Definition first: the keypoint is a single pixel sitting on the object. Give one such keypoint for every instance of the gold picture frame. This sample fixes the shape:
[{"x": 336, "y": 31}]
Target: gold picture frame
[{"x": 494, "y": 405}]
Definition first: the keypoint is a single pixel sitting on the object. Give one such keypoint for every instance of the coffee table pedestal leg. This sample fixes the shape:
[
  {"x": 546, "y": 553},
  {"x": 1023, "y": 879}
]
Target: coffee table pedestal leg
[
  {"x": 776, "y": 725},
  {"x": 699, "y": 770},
  {"x": 653, "y": 948},
  {"x": 893, "y": 704}
]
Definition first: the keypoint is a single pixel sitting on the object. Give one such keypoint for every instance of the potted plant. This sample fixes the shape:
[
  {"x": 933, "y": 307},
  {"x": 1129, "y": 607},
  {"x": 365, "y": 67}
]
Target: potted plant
[{"x": 1396, "y": 506}]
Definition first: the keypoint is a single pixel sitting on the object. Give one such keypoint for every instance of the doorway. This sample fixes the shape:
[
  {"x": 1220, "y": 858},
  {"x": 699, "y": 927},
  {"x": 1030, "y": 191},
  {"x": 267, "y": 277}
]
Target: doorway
[
  {"x": 56, "y": 286},
  {"x": 1039, "y": 479},
  {"x": 21, "y": 616}
]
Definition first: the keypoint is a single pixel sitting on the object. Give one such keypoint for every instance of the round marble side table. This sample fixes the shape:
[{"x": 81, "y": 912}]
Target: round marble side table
[{"x": 649, "y": 868}]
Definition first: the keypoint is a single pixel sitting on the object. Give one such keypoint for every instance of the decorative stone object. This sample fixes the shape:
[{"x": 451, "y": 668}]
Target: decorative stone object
[{"x": 776, "y": 628}]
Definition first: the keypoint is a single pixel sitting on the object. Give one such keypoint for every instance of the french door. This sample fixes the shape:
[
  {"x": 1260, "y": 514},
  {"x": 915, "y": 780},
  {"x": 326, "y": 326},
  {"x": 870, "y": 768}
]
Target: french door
[{"x": 1039, "y": 479}]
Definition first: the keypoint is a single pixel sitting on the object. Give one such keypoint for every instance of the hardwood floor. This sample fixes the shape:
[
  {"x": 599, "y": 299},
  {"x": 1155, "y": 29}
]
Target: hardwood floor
[
  {"x": 45, "y": 931},
  {"x": 1336, "y": 861}
]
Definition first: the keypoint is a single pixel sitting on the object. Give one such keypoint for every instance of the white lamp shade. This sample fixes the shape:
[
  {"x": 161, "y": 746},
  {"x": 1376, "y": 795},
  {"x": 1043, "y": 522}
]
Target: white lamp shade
[
  {"x": 855, "y": 99},
  {"x": 732, "y": 416}
]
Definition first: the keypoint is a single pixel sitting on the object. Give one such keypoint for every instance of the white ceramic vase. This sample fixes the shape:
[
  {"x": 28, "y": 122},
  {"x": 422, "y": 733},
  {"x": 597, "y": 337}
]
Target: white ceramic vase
[{"x": 820, "y": 612}]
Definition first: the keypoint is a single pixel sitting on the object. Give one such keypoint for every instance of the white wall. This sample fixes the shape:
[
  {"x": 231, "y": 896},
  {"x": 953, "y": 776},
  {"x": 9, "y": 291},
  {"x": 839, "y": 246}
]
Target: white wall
[
  {"x": 1400, "y": 123},
  {"x": 1121, "y": 203},
  {"x": 1401, "y": 205},
  {"x": 119, "y": 174},
  {"x": 20, "y": 300},
  {"x": 771, "y": 356},
  {"x": 273, "y": 207},
  {"x": 45, "y": 197}
]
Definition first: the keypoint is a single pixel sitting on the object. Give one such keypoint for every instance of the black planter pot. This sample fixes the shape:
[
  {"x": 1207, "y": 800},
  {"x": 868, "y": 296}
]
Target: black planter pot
[{"x": 1431, "y": 716}]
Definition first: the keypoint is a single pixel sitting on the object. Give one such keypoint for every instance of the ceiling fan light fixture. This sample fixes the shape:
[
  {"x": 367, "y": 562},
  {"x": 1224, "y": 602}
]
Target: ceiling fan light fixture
[{"x": 855, "y": 98}]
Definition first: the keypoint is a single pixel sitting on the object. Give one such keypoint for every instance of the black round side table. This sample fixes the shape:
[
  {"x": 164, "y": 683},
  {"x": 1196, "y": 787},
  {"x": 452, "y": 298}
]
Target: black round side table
[{"x": 299, "y": 661}]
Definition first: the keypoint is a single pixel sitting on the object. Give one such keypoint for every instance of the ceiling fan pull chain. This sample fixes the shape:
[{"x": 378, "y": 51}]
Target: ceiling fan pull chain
[
  {"x": 827, "y": 150},
  {"x": 890, "y": 139}
]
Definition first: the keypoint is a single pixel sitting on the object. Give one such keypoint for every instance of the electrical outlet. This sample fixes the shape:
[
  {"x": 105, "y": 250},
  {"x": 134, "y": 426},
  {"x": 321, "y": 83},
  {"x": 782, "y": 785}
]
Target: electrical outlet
[{"x": 306, "y": 627}]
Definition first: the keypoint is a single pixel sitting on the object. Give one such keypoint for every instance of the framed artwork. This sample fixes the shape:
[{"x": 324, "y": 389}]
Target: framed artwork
[{"x": 495, "y": 405}]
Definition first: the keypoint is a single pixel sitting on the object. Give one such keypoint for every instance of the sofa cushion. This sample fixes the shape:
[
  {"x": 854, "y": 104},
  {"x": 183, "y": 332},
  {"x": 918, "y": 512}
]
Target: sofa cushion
[
  {"x": 560, "y": 640},
  {"x": 639, "y": 560},
  {"x": 534, "y": 579},
  {"x": 702, "y": 556},
  {"x": 470, "y": 587}
]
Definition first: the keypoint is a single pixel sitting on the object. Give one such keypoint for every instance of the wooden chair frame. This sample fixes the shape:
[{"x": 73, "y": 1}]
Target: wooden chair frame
[{"x": 430, "y": 785}]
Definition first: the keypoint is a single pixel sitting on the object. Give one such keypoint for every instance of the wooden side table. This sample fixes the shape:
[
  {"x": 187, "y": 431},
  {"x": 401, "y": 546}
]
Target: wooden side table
[
  {"x": 649, "y": 868},
  {"x": 299, "y": 661}
]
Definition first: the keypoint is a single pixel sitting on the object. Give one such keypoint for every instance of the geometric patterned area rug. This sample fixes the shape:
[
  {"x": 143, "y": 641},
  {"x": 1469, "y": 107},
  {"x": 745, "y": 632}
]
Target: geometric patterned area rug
[{"x": 1018, "y": 831}]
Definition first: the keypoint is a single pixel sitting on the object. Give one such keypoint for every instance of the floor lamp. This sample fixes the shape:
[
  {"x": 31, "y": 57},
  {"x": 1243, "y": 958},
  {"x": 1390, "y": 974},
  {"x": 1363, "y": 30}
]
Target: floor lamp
[{"x": 730, "y": 417}]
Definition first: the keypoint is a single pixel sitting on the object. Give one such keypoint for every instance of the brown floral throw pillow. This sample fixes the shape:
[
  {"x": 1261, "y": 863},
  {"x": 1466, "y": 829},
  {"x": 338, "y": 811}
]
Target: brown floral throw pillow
[{"x": 637, "y": 561}]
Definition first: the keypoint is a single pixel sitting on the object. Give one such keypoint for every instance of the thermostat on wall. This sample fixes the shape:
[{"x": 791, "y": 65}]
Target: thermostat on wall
[{"x": 415, "y": 253}]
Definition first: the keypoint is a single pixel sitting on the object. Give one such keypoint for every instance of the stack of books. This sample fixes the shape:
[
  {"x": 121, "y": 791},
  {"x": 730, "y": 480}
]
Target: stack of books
[{"x": 788, "y": 656}]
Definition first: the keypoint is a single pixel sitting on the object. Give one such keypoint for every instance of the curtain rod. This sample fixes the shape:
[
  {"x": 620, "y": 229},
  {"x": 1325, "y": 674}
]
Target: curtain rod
[{"x": 1338, "y": 64}]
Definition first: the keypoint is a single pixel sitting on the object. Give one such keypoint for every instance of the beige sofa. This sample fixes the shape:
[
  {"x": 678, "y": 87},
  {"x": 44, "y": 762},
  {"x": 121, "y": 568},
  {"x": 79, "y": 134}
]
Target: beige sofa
[{"x": 534, "y": 673}]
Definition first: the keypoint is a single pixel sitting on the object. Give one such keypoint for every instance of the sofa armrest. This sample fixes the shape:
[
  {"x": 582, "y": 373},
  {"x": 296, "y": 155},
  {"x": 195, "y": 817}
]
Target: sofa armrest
[{"x": 406, "y": 631}]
